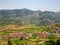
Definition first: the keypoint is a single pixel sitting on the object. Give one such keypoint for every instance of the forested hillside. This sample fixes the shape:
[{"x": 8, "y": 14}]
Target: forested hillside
[{"x": 26, "y": 16}]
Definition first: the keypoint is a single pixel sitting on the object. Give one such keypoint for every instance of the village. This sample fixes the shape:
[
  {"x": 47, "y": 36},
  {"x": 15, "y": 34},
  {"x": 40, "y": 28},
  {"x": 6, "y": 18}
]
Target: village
[{"x": 26, "y": 35}]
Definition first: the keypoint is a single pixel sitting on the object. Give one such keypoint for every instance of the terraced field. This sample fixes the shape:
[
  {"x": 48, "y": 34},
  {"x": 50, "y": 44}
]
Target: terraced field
[{"x": 34, "y": 40}]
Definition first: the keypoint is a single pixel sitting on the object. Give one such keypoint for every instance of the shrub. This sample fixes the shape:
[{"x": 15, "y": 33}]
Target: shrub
[{"x": 50, "y": 42}]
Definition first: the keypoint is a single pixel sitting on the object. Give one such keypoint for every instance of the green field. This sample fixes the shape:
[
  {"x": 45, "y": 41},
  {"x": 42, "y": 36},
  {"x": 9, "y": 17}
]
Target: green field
[{"x": 29, "y": 41}]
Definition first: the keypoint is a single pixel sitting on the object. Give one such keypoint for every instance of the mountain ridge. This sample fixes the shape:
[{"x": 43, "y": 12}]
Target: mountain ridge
[{"x": 26, "y": 16}]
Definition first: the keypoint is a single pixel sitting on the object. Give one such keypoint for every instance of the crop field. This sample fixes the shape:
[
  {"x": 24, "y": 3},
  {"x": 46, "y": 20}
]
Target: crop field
[{"x": 37, "y": 38}]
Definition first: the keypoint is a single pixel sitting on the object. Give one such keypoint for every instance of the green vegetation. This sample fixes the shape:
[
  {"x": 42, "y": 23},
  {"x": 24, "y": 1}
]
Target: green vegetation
[
  {"x": 27, "y": 27},
  {"x": 9, "y": 42},
  {"x": 34, "y": 31},
  {"x": 26, "y": 16},
  {"x": 50, "y": 42}
]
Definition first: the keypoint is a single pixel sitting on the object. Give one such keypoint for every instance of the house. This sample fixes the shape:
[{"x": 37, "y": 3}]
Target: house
[
  {"x": 42, "y": 35},
  {"x": 19, "y": 34}
]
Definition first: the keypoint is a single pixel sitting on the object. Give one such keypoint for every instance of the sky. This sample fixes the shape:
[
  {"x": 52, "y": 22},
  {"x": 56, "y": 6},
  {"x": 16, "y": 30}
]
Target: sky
[{"x": 43, "y": 5}]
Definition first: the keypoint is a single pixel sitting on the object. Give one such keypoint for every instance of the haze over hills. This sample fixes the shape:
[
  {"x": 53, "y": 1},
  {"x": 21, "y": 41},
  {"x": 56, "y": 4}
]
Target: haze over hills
[{"x": 26, "y": 16}]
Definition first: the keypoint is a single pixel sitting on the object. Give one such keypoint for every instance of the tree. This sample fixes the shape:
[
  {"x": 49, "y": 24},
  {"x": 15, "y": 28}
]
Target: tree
[
  {"x": 50, "y": 42},
  {"x": 58, "y": 42},
  {"x": 21, "y": 38},
  {"x": 9, "y": 42}
]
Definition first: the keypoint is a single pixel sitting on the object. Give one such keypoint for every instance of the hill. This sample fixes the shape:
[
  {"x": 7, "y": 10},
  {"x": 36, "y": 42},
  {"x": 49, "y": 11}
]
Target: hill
[{"x": 26, "y": 17}]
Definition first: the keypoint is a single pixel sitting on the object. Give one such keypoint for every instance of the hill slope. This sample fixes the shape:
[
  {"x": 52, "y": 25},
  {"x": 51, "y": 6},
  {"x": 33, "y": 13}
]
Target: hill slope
[{"x": 26, "y": 16}]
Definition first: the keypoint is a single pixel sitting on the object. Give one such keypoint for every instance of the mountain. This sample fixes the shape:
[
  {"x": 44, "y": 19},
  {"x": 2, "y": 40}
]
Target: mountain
[{"x": 26, "y": 16}]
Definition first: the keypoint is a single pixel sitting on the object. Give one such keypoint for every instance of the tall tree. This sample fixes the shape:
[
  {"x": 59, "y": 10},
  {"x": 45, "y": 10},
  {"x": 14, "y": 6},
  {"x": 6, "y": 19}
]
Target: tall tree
[
  {"x": 58, "y": 42},
  {"x": 9, "y": 42}
]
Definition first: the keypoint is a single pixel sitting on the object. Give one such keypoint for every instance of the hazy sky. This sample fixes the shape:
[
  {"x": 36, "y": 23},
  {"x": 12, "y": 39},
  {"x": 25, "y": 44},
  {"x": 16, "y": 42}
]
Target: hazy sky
[{"x": 44, "y": 5}]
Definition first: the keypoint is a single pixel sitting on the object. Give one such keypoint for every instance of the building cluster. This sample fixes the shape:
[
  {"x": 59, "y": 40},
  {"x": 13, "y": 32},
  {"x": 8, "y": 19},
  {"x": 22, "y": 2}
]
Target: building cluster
[
  {"x": 26, "y": 35},
  {"x": 43, "y": 35},
  {"x": 18, "y": 35}
]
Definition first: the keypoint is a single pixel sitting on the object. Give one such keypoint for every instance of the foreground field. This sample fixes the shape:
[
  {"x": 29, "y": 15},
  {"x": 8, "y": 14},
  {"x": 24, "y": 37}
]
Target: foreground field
[
  {"x": 18, "y": 41},
  {"x": 40, "y": 34}
]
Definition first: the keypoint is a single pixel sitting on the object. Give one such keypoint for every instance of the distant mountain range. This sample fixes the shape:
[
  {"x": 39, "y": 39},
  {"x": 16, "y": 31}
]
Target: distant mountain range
[{"x": 26, "y": 16}]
